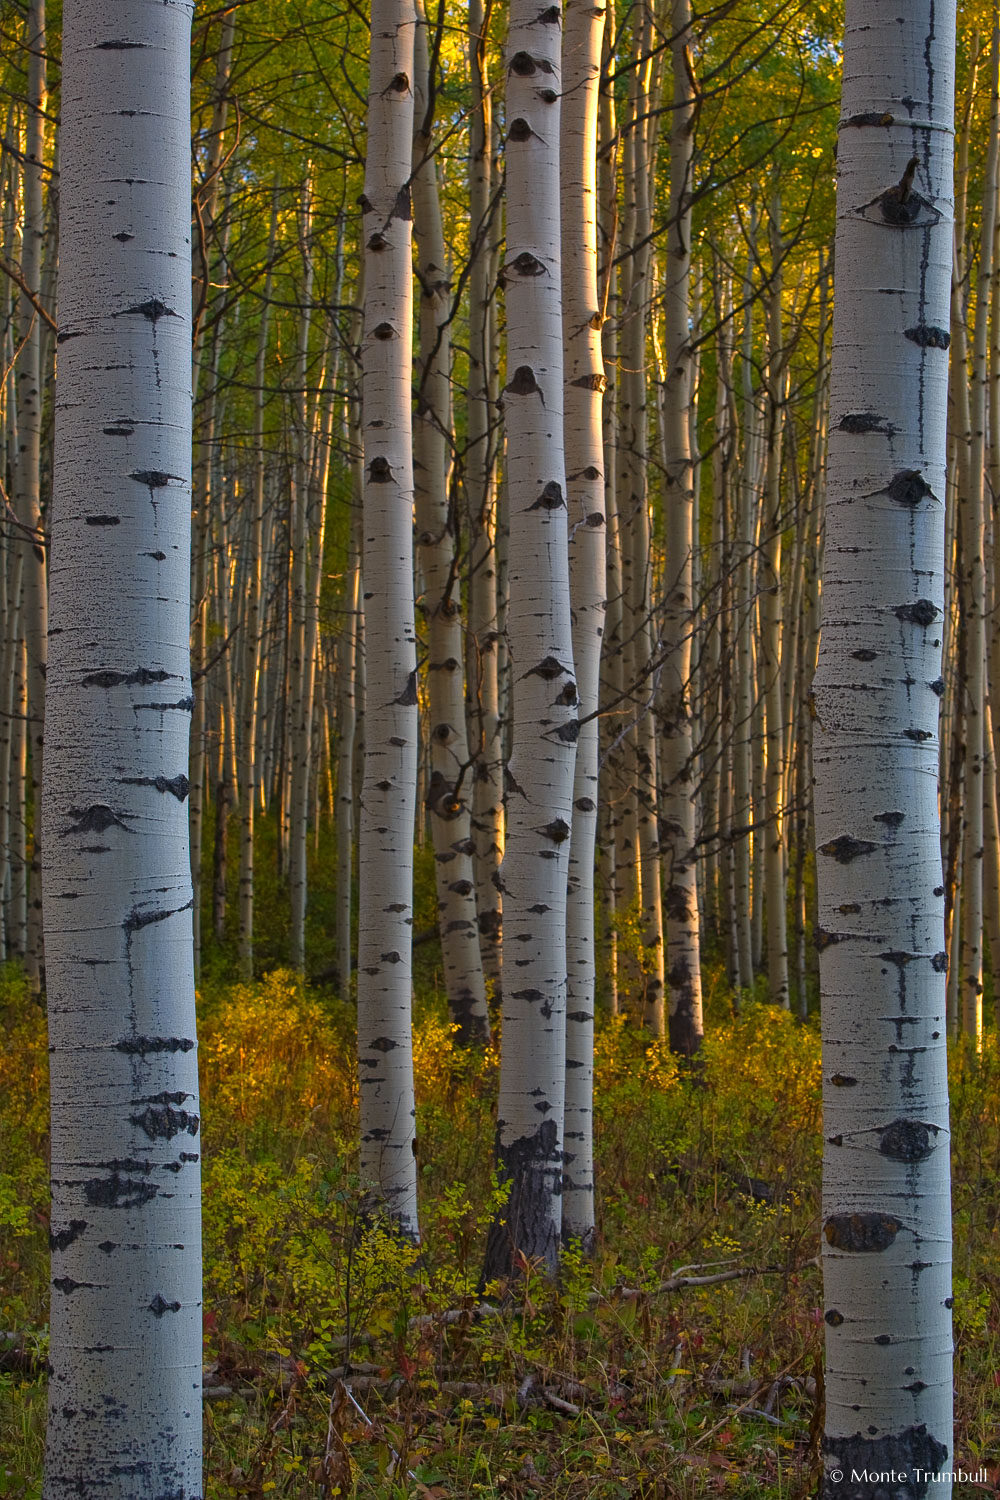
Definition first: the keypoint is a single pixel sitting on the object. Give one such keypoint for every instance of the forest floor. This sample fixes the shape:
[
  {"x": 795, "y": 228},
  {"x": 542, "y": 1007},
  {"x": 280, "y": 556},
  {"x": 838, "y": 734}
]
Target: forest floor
[{"x": 339, "y": 1364}]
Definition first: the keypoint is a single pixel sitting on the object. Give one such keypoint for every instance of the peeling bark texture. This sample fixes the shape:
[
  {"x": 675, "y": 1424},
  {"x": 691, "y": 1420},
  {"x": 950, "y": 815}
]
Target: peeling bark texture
[
  {"x": 125, "y": 1391},
  {"x": 583, "y": 427},
  {"x": 544, "y": 696},
  {"x": 388, "y": 795},
  {"x": 887, "y": 1240}
]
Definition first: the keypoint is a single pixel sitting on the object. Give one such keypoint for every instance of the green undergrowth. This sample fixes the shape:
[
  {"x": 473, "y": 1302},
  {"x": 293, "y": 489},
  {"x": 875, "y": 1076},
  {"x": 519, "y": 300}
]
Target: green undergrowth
[{"x": 606, "y": 1384}]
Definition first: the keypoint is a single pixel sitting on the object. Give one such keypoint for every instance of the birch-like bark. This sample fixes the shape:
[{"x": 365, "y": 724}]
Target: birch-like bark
[
  {"x": 973, "y": 575},
  {"x": 126, "y": 1335},
  {"x": 249, "y": 769},
  {"x": 449, "y": 791},
  {"x": 301, "y": 675},
  {"x": 480, "y": 468},
  {"x": 27, "y": 468},
  {"x": 676, "y": 738},
  {"x": 584, "y": 437},
  {"x": 544, "y": 694},
  {"x": 886, "y": 1210},
  {"x": 385, "y": 853},
  {"x": 770, "y": 662}
]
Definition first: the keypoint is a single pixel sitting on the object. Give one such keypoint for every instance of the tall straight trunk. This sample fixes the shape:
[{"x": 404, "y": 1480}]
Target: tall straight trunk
[
  {"x": 385, "y": 1054},
  {"x": 480, "y": 466},
  {"x": 743, "y": 655},
  {"x": 449, "y": 792},
  {"x": 638, "y": 845},
  {"x": 249, "y": 770},
  {"x": 584, "y": 436},
  {"x": 773, "y": 817},
  {"x": 301, "y": 674},
  {"x": 201, "y": 592},
  {"x": 347, "y": 718},
  {"x": 27, "y": 468},
  {"x": 126, "y": 1296},
  {"x": 676, "y": 737},
  {"x": 544, "y": 694},
  {"x": 974, "y": 605},
  {"x": 886, "y": 1208}
]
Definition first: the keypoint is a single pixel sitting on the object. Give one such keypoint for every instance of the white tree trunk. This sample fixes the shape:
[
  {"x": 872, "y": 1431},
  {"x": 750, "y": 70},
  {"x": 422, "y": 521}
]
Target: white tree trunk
[
  {"x": 480, "y": 468},
  {"x": 677, "y": 741},
  {"x": 449, "y": 792},
  {"x": 28, "y": 459},
  {"x": 540, "y": 771},
  {"x": 887, "y": 1230},
  {"x": 126, "y": 1339},
  {"x": 388, "y": 796},
  {"x": 584, "y": 436}
]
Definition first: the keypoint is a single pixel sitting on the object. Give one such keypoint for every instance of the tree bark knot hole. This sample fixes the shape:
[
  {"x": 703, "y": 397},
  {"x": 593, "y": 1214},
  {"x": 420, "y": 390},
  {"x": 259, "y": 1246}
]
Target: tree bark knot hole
[
  {"x": 520, "y": 130},
  {"x": 551, "y": 498},
  {"x": 153, "y": 310},
  {"x": 399, "y": 84},
  {"x": 907, "y": 1140},
  {"x": 525, "y": 66},
  {"x": 384, "y": 332},
  {"x": 380, "y": 471},
  {"x": 864, "y": 1233},
  {"x": 548, "y": 669},
  {"x": 551, "y": 16},
  {"x": 845, "y": 849},
  {"x": 923, "y": 612},
  {"x": 927, "y": 336},
  {"x": 525, "y": 264},
  {"x": 859, "y": 422},
  {"x": 908, "y": 487}
]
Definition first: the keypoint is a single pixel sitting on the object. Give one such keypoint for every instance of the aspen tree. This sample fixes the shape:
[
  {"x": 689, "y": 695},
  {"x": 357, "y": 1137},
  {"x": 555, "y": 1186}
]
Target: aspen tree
[
  {"x": 544, "y": 693},
  {"x": 448, "y": 796},
  {"x": 887, "y": 1230},
  {"x": 301, "y": 665},
  {"x": 480, "y": 468},
  {"x": 584, "y": 437},
  {"x": 126, "y": 1334},
  {"x": 385, "y": 851},
  {"x": 249, "y": 771},
  {"x": 972, "y": 506},
  {"x": 771, "y": 645},
  {"x": 27, "y": 467},
  {"x": 677, "y": 741}
]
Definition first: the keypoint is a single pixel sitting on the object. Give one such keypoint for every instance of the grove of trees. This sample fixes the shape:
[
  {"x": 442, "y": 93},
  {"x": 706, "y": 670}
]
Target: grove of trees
[{"x": 513, "y": 491}]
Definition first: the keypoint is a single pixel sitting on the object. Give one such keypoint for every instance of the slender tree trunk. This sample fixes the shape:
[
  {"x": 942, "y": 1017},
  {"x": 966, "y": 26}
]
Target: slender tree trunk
[
  {"x": 544, "y": 694},
  {"x": 385, "y": 933},
  {"x": 302, "y": 666},
  {"x": 480, "y": 464},
  {"x": 774, "y": 748},
  {"x": 126, "y": 1295},
  {"x": 676, "y": 737},
  {"x": 887, "y": 1230},
  {"x": 450, "y": 787},
  {"x": 249, "y": 771},
  {"x": 583, "y": 427},
  {"x": 973, "y": 523},
  {"x": 27, "y": 469}
]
